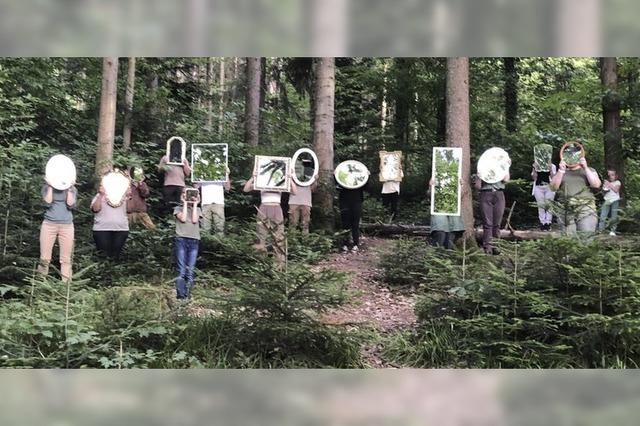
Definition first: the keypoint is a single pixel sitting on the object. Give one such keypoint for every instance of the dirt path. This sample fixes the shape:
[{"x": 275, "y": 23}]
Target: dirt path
[{"x": 373, "y": 304}]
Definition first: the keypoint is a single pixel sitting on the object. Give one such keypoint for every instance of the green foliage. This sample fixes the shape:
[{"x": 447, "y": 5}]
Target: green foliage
[
  {"x": 405, "y": 264},
  {"x": 555, "y": 302},
  {"x": 446, "y": 182}
]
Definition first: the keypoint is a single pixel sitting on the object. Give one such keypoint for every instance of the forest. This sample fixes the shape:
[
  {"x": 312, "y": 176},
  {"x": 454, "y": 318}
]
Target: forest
[{"x": 545, "y": 301}]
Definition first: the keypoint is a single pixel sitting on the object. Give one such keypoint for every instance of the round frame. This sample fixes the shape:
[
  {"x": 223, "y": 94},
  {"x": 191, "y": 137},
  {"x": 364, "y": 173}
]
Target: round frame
[
  {"x": 60, "y": 172},
  {"x": 353, "y": 163},
  {"x": 565, "y": 145},
  {"x": 316, "y": 167},
  {"x": 490, "y": 169}
]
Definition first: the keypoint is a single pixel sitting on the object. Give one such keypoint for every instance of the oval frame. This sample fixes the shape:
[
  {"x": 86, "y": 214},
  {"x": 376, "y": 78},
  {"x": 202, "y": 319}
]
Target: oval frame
[
  {"x": 54, "y": 165},
  {"x": 124, "y": 195},
  {"x": 168, "y": 150},
  {"x": 355, "y": 162},
  {"x": 564, "y": 146},
  {"x": 498, "y": 168},
  {"x": 316, "y": 167}
]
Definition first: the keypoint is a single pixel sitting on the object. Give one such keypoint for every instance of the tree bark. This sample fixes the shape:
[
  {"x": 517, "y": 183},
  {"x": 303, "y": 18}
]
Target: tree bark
[
  {"x": 252, "y": 102},
  {"x": 457, "y": 134},
  {"x": 611, "y": 116},
  {"x": 222, "y": 91},
  {"x": 209, "y": 86},
  {"x": 128, "y": 103},
  {"x": 107, "y": 118},
  {"x": 511, "y": 94},
  {"x": 323, "y": 139}
]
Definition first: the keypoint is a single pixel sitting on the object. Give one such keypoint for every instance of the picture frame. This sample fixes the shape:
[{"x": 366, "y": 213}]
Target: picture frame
[
  {"x": 446, "y": 171},
  {"x": 176, "y": 151},
  {"x": 542, "y": 154},
  {"x": 390, "y": 166},
  {"x": 351, "y": 174},
  {"x": 304, "y": 174},
  {"x": 116, "y": 185},
  {"x": 209, "y": 162},
  {"x": 493, "y": 165},
  {"x": 272, "y": 173},
  {"x": 571, "y": 152}
]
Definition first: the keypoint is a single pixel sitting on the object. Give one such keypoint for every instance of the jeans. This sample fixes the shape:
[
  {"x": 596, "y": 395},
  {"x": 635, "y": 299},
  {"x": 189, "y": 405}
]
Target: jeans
[
  {"x": 609, "y": 208},
  {"x": 186, "y": 253},
  {"x": 110, "y": 243},
  {"x": 350, "y": 217},
  {"x": 492, "y": 209}
]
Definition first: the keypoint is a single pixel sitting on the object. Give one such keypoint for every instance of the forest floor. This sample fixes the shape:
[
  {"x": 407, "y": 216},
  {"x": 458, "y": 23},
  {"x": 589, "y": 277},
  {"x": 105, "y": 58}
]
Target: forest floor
[{"x": 373, "y": 304}]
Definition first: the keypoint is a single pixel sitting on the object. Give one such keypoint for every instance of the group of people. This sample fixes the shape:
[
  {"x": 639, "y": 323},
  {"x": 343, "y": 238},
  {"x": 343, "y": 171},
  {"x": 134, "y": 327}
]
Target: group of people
[{"x": 569, "y": 186}]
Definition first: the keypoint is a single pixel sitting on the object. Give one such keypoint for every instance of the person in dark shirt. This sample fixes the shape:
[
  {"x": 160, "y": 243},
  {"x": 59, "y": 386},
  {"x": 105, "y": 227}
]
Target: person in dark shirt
[{"x": 350, "y": 202}]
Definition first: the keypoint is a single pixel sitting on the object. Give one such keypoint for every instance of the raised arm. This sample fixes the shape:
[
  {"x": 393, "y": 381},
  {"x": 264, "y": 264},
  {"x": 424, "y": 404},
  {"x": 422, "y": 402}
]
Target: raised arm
[
  {"x": 248, "y": 186},
  {"x": 72, "y": 196},
  {"x": 47, "y": 195},
  {"x": 186, "y": 167},
  {"x": 592, "y": 175},
  {"x": 556, "y": 180},
  {"x": 96, "y": 204},
  {"x": 194, "y": 212},
  {"x": 182, "y": 215}
]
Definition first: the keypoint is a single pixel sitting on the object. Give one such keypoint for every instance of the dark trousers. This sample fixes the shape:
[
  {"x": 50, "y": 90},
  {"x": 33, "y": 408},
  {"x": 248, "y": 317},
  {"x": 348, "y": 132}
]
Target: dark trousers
[
  {"x": 350, "y": 217},
  {"x": 186, "y": 253},
  {"x": 492, "y": 209},
  {"x": 110, "y": 243},
  {"x": 172, "y": 196},
  {"x": 390, "y": 202}
]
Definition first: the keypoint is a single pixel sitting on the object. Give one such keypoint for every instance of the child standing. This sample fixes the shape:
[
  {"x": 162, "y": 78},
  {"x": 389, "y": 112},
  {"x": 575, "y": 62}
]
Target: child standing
[
  {"x": 187, "y": 241},
  {"x": 611, "y": 188}
]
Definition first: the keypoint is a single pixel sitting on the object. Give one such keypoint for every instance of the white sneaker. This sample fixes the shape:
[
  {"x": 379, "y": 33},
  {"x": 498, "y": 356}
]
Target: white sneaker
[
  {"x": 345, "y": 249},
  {"x": 613, "y": 234},
  {"x": 354, "y": 249}
]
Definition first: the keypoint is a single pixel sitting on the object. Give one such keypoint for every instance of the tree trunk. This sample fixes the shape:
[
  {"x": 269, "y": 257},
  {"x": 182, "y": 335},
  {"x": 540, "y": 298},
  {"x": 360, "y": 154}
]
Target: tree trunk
[
  {"x": 107, "y": 119},
  {"x": 323, "y": 139},
  {"x": 511, "y": 94},
  {"x": 221, "y": 107},
  {"x": 128, "y": 102},
  {"x": 404, "y": 98},
  {"x": 209, "y": 86},
  {"x": 611, "y": 116},
  {"x": 458, "y": 130},
  {"x": 252, "y": 102},
  {"x": 263, "y": 92}
]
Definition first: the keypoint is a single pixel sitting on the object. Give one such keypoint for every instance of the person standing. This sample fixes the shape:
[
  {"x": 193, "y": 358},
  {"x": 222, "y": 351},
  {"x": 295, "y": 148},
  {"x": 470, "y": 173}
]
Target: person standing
[
  {"x": 611, "y": 188},
  {"x": 300, "y": 205},
  {"x": 212, "y": 194},
  {"x": 543, "y": 194},
  {"x": 187, "y": 243},
  {"x": 174, "y": 180},
  {"x": 492, "y": 204},
  {"x": 391, "y": 195},
  {"x": 573, "y": 186},
  {"x": 350, "y": 202},
  {"x": 57, "y": 224},
  {"x": 110, "y": 224},
  {"x": 445, "y": 230},
  {"x": 137, "y": 205},
  {"x": 270, "y": 220}
]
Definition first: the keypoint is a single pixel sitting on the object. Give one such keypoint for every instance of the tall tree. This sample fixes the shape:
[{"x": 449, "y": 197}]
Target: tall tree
[
  {"x": 511, "y": 94},
  {"x": 252, "y": 102},
  {"x": 325, "y": 85},
  {"x": 404, "y": 100},
  {"x": 458, "y": 130},
  {"x": 611, "y": 116},
  {"x": 221, "y": 105},
  {"x": 128, "y": 102},
  {"x": 209, "y": 85},
  {"x": 107, "y": 118}
]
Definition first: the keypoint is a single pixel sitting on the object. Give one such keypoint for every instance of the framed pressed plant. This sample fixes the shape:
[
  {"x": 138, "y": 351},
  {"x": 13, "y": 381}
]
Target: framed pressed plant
[
  {"x": 390, "y": 166},
  {"x": 542, "y": 154},
  {"x": 272, "y": 173}
]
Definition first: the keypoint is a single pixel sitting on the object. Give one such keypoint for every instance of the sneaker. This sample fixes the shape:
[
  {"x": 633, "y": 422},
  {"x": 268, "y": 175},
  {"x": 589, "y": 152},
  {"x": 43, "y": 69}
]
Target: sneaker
[
  {"x": 345, "y": 249},
  {"x": 613, "y": 234},
  {"x": 354, "y": 249}
]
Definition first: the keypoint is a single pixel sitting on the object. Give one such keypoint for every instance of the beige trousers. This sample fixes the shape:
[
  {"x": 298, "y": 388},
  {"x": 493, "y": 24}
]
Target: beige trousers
[
  {"x": 213, "y": 214},
  {"x": 142, "y": 218},
  {"x": 299, "y": 214},
  {"x": 270, "y": 228},
  {"x": 64, "y": 233}
]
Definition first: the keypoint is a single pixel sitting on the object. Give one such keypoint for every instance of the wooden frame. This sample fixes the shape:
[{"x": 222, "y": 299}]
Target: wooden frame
[
  {"x": 294, "y": 164},
  {"x": 390, "y": 166},
  {"x": 209, "y": 162},
  {"x": 573, "y": 157},
  {"x": 542, "y": 154},
  {"x": 272, "y": 173},
  {"x": 351, "y": 174},
  {"x": 446, "y": 172},
  {"x": 171, "y": 151}
]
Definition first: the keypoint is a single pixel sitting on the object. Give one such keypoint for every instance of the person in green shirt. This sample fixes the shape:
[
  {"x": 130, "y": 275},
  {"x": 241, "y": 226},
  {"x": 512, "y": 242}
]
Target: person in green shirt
[{"x": 577, "y": 203}]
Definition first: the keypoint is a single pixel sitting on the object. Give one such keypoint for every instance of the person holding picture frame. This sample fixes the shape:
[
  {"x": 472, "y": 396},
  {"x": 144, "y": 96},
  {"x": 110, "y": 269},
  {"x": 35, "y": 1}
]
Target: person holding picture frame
[
  {"x": 187, "y": 241},
  {"x": 174, "y": 180}
]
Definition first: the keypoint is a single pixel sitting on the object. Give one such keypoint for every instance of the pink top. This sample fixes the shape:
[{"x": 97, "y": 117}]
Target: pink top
[{"x": 175, "y": 175}]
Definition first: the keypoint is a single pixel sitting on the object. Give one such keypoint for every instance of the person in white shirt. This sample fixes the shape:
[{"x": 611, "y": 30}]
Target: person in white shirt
[
  {"x": 390, "y": 196},
  {"x": 212, "y": 200},
  {"x": 270, "y": 225},
  {"x": 300, "y": 205},
  {"x": 611, "y": 188}
]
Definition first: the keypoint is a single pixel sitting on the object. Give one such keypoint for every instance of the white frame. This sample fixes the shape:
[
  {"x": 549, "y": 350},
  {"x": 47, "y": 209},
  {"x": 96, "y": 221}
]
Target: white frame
[
  {"x": 60, "y": 172},
  {"x": 383, "y": 155},
  {"x": 316, "y": 167},
  {"x": 487, "y": 156},
  {"x": 256, "y": 164},
  {"x": 123, "y": 178},
  {"x": 542, "y": 167},
  {"x": 168, "y": 151},
  {"x": 193, "y": 162},
  {"x": 335, "y": 174},
  {"x": 433, "y": 176}
]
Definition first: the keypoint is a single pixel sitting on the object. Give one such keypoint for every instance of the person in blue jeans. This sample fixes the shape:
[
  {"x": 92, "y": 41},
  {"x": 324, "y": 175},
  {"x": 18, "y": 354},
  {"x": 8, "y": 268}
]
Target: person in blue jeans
[
  {"x": 611, "y": 188},
  {"x": 187, "y": 241}
]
